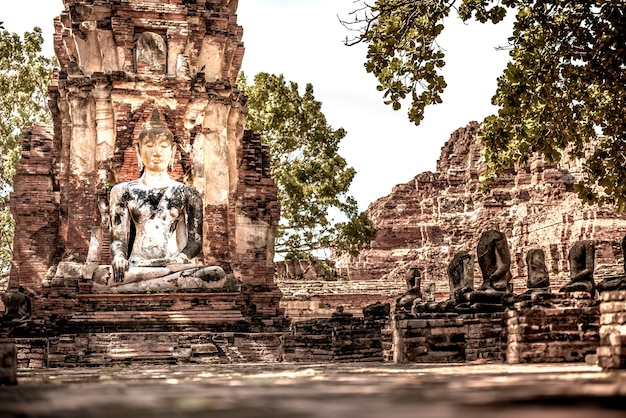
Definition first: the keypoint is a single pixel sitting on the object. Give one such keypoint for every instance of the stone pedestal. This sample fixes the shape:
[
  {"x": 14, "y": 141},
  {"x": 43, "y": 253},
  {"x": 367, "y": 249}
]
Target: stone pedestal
[
  {"x": 562, "y": 329},
  {"x": 612, "y": 350},
  {"x": 345, "y": 339},
  {"x": 428, "y": 338},
  {"x": 448, "y": 337}
]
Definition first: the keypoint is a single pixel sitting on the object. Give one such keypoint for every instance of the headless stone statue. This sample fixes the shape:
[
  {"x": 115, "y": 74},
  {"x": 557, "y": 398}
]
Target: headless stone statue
[
  {"x": 616, "y": 282},
  {"x": 538, "y": 281},
  {"x": 494, "y": 259},
  {"x": 581, "y": 267},
  {"x": 461, "y": 277},
  {"x": 537, "y": 272},
  {"x": 159, "y": 221},
  {"x": 461, "y": 281},
  {"x": 413, "y": 278},
  {"x": 17, "y": 307},
  {"x": 377, "y": 310}
]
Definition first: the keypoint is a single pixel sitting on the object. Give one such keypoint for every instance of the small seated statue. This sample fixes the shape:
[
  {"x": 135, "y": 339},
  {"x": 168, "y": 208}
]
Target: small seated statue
[
  {"x": 581, "y": 266},
  {"x": 17, "y": 307},
  {"x": 340, "y": 313},
  {"x": 538, "y": 280},
  {"x": 461, "y": 281},
  {"x": 377, "y": 310},
  {"x": 615, "y": 282},
  {"x": 413, "y": 278},
  {"x": 158, "y": 220},
  {"x": 494, "y": 259}
]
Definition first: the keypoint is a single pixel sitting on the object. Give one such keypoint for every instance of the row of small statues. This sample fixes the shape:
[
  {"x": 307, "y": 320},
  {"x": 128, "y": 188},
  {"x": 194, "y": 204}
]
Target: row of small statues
[{"x": 496, "y": 291}]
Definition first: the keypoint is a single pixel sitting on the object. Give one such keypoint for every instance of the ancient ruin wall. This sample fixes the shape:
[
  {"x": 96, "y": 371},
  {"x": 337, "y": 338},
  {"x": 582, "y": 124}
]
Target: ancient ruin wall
[
  {"x": 426, "y": 221},
  {"x": 119, "y": 59}
]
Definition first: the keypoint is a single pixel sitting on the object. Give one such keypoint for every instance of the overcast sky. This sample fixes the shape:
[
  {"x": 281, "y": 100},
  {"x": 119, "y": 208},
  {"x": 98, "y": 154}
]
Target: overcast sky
[{"x": 303, "y": 40}]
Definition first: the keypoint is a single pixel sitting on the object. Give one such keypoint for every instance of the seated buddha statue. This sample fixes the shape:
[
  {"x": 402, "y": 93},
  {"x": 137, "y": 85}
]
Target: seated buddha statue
[
  {"x": 156, "y": 224},
  {"x": 494, "y": 259},
  {"x": 581, "y": 266}
]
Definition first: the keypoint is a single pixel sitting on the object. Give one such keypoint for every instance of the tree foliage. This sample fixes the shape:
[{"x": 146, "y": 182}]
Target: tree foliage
[
  {"x": 24, "y": 78},
  {"x": 564, "y": 89},
  {"x": 312, "y": 178}
]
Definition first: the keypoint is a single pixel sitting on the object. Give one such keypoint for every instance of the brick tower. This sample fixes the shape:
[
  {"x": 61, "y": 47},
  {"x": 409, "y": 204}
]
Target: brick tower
[{"x": 118, "y": 60}]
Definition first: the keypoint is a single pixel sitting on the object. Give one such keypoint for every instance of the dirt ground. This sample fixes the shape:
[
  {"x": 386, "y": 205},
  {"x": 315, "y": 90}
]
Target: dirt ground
[{"x": 319, "y": 390}]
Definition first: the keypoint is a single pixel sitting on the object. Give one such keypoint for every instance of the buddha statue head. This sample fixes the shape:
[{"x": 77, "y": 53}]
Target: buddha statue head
[{"x": 155, "y": 145}]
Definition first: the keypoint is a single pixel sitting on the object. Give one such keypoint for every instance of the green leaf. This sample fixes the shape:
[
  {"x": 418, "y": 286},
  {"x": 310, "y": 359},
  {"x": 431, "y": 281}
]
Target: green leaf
[
  {"x": 24, "y": 78},
  {"x": 312, "y": 178}
]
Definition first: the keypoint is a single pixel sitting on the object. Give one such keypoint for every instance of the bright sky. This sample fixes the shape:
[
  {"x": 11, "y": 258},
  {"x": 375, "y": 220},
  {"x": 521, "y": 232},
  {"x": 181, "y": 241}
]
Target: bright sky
[{"x": 303, "y": 40}]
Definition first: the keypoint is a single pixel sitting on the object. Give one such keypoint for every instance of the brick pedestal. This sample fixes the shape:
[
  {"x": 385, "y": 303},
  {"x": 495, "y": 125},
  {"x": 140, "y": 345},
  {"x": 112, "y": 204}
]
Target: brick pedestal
[
  {"x": 345, "y": 339},
  {"x": 428, "y": 338},
  {"x": 485, "y": 336},
  {"x": 562, "y": 329},
  {"x": 448, "y": 337},
  {"x": 612, "y": 350}
]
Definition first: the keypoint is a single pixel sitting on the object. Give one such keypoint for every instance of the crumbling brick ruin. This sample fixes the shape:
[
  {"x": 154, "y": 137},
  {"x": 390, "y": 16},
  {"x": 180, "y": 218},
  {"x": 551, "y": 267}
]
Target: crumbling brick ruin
[
  {"x": 428, "y": 220},
  {"x": 119, "y": 60}
]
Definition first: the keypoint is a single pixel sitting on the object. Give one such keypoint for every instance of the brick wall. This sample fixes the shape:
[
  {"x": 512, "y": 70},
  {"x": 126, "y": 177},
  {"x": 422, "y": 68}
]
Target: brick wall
[
  {"x": 564, "y": 328},
  {"x": 345, "y": 339},
  {"x": 612, "y": 350}
]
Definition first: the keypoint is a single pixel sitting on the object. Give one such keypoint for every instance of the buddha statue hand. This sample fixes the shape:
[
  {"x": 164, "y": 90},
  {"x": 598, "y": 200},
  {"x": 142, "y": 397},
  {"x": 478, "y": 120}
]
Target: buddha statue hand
[{"x": 120, "y": 267}]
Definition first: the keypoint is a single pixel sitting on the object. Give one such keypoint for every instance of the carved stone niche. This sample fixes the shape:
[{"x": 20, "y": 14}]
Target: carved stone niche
[{"x": 150, "y": 53}]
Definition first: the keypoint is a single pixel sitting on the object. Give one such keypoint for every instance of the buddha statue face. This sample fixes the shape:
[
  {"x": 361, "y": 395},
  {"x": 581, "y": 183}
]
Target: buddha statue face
[
  {"x": 156, "y": 152},
  {"x": 155, "y": 145}
]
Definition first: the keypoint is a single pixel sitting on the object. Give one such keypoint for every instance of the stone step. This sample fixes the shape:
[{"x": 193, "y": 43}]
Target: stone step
[
  {"x": 107, "y": 348},
  {"x": 189, "y": 320},
  {"x": 159, "y": 302}
]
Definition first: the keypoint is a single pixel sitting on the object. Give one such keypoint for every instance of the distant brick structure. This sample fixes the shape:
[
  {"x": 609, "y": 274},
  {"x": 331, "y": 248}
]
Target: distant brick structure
[{"x": 429, "y": 219}]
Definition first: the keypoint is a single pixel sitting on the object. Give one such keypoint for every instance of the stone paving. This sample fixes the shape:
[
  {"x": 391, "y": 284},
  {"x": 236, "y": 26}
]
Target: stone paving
[{"x": 319, "y": 390}]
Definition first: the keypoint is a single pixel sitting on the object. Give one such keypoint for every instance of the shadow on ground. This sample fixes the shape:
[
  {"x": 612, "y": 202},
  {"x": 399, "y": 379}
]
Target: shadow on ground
[{"x": 319, "y": 390}]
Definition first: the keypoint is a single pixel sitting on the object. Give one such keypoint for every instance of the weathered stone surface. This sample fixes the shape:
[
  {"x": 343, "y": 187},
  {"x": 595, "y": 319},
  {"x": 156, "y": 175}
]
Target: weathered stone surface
[
  {"x": 448, "y": 337},
  {"x": 106, "y": 349},
  {"x": 338, "y": 339},
  {"x": 8, "y": 364},
  {"x": 319, "y": 391}
]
